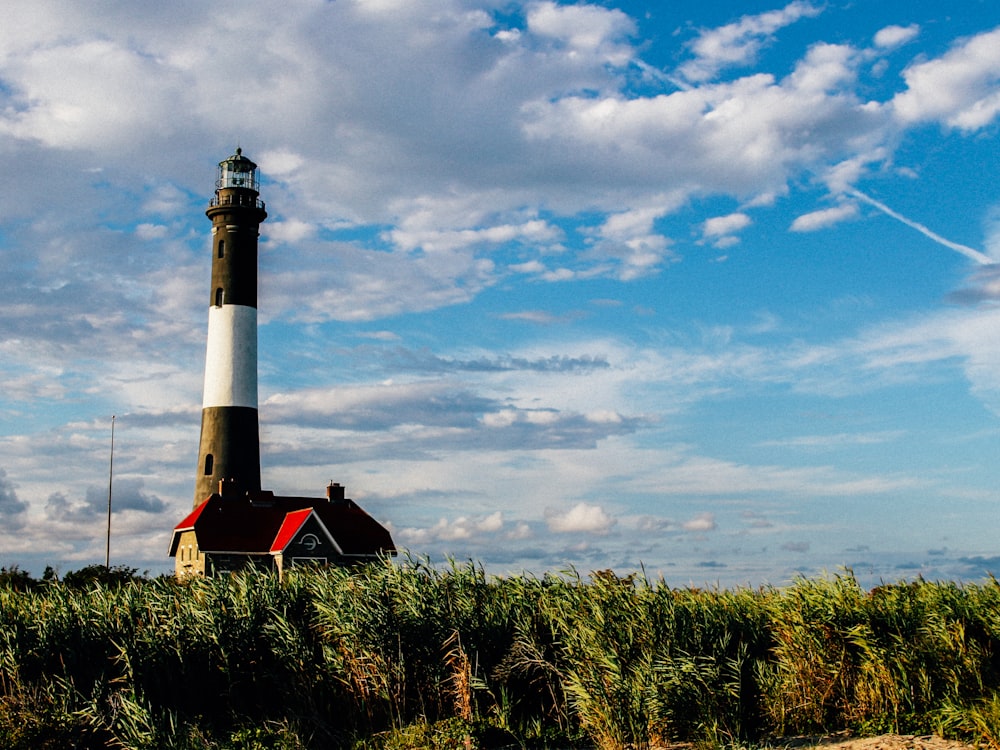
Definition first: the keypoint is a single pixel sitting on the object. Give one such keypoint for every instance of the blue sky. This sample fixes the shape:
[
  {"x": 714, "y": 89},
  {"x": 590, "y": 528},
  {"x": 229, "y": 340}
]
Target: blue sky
[{"x": 604, "y": 284}]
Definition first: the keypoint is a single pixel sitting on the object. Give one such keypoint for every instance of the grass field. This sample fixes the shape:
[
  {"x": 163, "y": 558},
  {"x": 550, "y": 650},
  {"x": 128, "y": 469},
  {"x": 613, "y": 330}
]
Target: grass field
[{"x": 404, "y": 655}]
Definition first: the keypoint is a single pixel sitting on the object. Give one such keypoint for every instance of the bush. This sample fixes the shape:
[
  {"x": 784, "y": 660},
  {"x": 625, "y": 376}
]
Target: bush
[
  {"x": 16, "y": 579},
  {"x": 99, "y": 575}
]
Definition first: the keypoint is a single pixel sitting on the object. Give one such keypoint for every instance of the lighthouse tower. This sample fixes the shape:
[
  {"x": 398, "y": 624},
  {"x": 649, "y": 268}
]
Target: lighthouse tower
[
  {"x": 235, "y": 525},
  {"x": 230, "y": 442}
]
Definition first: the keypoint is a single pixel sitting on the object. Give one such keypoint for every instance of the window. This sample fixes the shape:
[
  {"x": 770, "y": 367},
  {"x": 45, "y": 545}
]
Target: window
[
  {"x": 209, "y": 463},
  {"x": 222, "y": 248},
  {"x": 218, "y": 297}
]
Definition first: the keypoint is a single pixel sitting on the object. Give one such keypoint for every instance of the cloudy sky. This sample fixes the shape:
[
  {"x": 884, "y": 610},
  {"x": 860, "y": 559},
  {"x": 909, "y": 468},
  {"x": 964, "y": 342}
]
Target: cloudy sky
[{"x": 608, "y": 284}]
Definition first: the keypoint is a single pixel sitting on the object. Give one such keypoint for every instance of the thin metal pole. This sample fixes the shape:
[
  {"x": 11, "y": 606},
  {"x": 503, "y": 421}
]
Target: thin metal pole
[{"x": 111, "y": 472}]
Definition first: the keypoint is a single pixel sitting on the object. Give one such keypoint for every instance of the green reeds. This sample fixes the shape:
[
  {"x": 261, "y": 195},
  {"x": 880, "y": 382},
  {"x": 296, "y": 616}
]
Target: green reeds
[
  {"x": 880, "y": 661},
  {"x": 329, "y": 657}
]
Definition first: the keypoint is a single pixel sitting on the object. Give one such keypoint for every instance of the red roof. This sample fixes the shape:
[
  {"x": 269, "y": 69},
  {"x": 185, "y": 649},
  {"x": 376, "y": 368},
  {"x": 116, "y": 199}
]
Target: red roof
[
  {"x": 262, "y": 522},
  {"x": 189, "y": 521},
  {"x": 289, "y": 528}
]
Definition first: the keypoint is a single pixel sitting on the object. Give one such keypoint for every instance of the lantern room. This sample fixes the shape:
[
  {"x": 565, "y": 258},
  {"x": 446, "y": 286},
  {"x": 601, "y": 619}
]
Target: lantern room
[{"x": 238, "y": 172}]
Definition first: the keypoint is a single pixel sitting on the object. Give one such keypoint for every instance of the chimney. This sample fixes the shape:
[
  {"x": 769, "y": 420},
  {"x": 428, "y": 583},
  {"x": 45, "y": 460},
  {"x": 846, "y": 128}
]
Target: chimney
[{"x": 335, "y": 492}]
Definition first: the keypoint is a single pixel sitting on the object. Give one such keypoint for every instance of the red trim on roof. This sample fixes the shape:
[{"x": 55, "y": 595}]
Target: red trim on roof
[
  {"x": 192, "y": 517},
  {"x": 186, "y": 525},
  {"x": 289, "y": 528}
]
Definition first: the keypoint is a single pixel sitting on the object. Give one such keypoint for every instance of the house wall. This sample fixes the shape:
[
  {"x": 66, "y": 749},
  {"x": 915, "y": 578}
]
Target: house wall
[
  {"x": 189, "y": 560},
  {"x": 216, "y": 563},
  {"x": 312, "y": 543}
]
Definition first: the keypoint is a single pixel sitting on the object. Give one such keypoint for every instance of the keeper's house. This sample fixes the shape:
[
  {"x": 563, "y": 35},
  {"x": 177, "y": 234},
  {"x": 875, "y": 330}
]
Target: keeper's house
[{"x": 264, "y": 531}]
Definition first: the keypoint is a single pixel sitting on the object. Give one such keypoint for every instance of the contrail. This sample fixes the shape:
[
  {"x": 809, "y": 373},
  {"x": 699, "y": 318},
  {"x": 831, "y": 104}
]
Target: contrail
[{"x": 968, "y": 252}]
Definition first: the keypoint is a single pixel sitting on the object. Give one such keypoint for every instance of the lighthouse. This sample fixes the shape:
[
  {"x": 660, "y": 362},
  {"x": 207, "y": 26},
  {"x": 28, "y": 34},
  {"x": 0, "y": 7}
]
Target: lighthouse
[
  {"x": 230, "y": 442},
  {"x": 235, "y": 525}
]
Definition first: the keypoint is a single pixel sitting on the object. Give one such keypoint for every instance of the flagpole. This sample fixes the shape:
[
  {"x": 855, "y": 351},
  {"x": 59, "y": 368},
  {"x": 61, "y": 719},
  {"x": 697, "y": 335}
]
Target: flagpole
[{"x": 111, "y": 469}]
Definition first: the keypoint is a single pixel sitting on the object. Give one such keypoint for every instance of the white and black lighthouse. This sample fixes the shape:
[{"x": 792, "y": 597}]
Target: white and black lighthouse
[
  {"x": 235, "y": 524},
  {"x": 230, "y": 442}
]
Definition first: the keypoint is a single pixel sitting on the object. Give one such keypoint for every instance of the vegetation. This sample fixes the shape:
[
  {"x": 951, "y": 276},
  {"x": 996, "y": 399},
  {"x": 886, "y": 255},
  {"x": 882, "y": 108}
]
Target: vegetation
[{"x": 396, "y": 656}]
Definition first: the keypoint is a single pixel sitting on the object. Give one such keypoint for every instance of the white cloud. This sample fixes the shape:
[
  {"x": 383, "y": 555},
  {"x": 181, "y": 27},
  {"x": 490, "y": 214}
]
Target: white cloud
[
  {"x": 992, "y": 232},
  {"x": 11, "y": 508},
  {"x": 582, "y": 518},
  {"x": 491, "y": 524},
  {"x": 281, "y": 163},
  {"x": 444, "y": 530},
  {"x": 895, "y": 36},
  {"x": 151, "y": 231},
  {"x": 521, "y": 531},
  {"x": 740, "y": 138},
  {"x": 562, "y": 274},
  {"x": 381, "y": 405},
  {"x": 700, "y": 522},
  {"x": 379, "y": 335},
  {"x": 628, "y": 224},
  {"x": 959, "y": 89},
  {"x": 289, "y": 232},
  {"x": 503, "y": 418},
  {"x": 59, "y": 85},
  {"x": 368, "y": 284},
  {"x": 532, "y": 316},
  {"x": 434, "y": 240},
  {"x": 628, "y": 237},
  {"x": 842, "y": 176},
  {"x": 458, "y": 529},
  {"x": 738, "y": 43},
  {"x": 826, "y": 68},
  {"x": 836, "y": 440},
  {"x": 824, "y": 218},
  {"x": 587, "y": 29},
  {"x": 719, "y": 226},
  {"x": 165, "y": 200}
]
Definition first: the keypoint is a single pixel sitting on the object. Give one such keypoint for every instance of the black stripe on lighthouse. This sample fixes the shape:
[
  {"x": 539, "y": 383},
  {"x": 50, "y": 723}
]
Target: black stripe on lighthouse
[{"x": 230, "y": 445}]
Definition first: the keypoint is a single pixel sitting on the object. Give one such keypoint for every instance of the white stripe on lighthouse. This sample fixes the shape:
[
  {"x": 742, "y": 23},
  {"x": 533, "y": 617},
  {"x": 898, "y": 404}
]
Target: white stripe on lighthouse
[{"x": 231, "y": 359}]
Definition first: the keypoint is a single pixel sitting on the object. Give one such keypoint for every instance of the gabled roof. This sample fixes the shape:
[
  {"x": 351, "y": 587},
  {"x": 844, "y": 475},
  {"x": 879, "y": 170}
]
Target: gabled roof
[
  {"x": 300, "y": 524},
  {"x": 255, "y": 523},
  {"x": 188, "y": 523},
  {"x": 293, "y": 522}
]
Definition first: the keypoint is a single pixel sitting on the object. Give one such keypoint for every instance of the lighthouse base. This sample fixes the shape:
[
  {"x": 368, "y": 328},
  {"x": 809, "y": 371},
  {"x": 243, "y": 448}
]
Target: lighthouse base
[{"x": 229, "y": 450}]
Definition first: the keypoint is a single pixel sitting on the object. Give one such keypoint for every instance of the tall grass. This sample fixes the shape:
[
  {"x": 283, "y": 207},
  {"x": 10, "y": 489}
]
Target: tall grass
[
  {"x": 887, "y": 660},
  {"x": 359, "y": 657}
]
